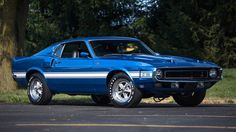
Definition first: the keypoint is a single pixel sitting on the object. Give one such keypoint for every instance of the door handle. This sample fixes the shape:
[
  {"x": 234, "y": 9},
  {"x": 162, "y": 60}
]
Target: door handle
[{"x": 57, "y": 62}]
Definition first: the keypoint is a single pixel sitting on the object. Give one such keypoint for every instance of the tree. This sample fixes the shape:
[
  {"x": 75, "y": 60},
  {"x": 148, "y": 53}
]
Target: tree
[
  {"x": 193, "y": 28},
  {"x": 13, "y": 14},
  {"x": 52, "y": 20}
]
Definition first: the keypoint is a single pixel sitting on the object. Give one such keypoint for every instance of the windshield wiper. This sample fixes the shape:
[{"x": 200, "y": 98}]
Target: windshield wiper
[
  {"x": 112, "y": 54},
  {"x": 138, "y": 54}
]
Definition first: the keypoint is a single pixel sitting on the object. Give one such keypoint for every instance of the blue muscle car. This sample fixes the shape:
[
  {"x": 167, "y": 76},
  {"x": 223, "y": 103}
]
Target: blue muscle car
[{"x": 117, "y": 70}]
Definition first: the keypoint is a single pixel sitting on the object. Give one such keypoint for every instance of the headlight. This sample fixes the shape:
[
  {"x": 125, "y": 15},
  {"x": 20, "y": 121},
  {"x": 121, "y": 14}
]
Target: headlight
[
  {"x": 213, "y": 73},
  {"x": 158, "y": 74}
]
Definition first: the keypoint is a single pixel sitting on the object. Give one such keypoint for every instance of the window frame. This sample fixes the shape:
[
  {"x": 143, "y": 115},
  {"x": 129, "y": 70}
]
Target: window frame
[
  {"x": 141, "y": 42},
  {"x": 59, "y": 47},
  {"x": 63, "y": 48}
]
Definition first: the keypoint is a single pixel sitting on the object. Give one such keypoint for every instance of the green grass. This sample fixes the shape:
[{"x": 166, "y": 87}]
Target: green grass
[
  {"x": 67, "y": 99},
  {"x": 224, "y": 89},
  {"x": 20, "y": 97},
  {"x": 17, "y": 96}
]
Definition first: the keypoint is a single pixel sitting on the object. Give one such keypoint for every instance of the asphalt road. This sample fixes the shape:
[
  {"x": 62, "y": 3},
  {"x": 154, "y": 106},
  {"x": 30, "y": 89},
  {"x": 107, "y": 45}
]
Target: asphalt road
[{"x": 89, "y": 117}]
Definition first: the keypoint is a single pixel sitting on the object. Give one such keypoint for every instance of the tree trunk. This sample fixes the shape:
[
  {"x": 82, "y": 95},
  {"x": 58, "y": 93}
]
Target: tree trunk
[{"x": 13, "y": 14}]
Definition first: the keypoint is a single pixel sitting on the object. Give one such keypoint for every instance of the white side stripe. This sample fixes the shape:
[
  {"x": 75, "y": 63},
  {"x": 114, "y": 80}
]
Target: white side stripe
[
  {"x": 19, "y": 74},
  {"x": 75, "y": 74},
  {"x": 133, "y": 74}
]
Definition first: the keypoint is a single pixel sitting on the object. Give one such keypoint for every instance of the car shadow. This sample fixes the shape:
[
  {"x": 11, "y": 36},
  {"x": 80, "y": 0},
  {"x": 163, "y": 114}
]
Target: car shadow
[
  {"x": 173, "y": 105},
  {"x": 141, "y": 105},
  {"x": 76, "y": 103}
]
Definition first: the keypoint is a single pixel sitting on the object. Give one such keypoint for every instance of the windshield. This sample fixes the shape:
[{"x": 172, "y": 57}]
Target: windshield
[{"x": 119, "y": 47}]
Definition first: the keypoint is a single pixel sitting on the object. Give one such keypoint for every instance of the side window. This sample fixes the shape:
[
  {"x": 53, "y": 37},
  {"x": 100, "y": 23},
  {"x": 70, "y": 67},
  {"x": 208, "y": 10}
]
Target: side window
[
  {"x": 58, "y": 50},
  {"x": 73, "y": 50}
]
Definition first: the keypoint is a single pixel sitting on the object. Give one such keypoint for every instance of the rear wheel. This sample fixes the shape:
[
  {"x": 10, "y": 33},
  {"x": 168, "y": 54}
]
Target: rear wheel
[
  {"x": 101, "y": 99},
  {"x": 37, "y": 90},
  {"x": 192, "y": 99},
  {"x": 122, "y": 91}
]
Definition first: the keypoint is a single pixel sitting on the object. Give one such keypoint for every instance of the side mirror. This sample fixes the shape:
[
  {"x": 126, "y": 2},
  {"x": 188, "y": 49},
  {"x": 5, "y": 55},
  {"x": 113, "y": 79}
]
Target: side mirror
[
  {"x": 156, "y": 53},
  {"x": 84, "y": 55}
]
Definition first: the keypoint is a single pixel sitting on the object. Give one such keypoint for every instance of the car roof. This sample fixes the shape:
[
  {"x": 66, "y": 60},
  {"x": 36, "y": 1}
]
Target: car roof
[
  {"x": 98, "y": 38},
  {"x": 47, "y": 50}
]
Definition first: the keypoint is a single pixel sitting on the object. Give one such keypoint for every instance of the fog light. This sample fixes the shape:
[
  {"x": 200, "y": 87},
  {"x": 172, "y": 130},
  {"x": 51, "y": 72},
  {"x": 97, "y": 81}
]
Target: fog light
[
  {"x": 158, "y": 85},
  {"x": 200, "y": 85},
  {"x": 175, "y": 85}
]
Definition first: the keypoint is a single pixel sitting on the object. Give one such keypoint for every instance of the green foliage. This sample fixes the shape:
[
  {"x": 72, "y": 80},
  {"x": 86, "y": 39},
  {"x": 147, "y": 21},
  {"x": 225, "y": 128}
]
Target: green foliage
[
  {"x": 194, "y": 28},
  {"x": 51, "y": 20}
]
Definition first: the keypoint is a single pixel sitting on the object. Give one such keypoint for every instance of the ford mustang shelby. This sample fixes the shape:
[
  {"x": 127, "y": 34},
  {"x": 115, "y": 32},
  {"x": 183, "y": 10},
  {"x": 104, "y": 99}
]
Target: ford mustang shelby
[{"x": 117, "y": 70}]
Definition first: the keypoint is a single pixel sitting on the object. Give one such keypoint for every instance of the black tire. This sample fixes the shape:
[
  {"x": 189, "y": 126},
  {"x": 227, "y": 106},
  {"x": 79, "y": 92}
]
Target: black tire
[
  {"x": 101, "y": 99},
  {"x": 45, "y": 96},
  {"x": 134, "y": 97},
  {"x": 190, "y": 100}
]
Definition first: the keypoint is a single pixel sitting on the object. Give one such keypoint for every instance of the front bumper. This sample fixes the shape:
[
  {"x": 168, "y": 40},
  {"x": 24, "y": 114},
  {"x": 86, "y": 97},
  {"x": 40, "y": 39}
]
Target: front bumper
[
  {"x": 165, "y": 86},
  {"x": 187, "y": 79}
]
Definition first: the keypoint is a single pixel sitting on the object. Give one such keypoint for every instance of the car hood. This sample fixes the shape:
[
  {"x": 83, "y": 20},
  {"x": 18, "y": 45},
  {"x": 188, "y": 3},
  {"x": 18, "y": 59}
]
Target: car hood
[{"x": 164, "y": 60}]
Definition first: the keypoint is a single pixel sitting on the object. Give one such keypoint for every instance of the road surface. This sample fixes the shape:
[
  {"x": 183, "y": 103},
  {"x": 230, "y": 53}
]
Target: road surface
[{"x": 89, "y": 117}]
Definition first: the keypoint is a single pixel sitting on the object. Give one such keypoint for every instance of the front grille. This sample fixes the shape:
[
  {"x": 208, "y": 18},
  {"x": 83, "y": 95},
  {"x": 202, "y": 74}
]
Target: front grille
[{"x": 185, "y": 74}]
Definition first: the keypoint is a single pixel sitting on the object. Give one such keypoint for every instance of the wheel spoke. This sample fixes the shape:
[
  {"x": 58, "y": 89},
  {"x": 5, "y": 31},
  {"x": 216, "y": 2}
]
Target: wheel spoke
[
  {"x": 39, "y": 91},
  {"x": 127, "y": 90},
  {"x": 121, "y": 85},
  {"x": 119, "y": 92},
  {"x": 125, "y": 95},
  {"x": 38, "y": 84},
  {"x": 126, "y": 84}
]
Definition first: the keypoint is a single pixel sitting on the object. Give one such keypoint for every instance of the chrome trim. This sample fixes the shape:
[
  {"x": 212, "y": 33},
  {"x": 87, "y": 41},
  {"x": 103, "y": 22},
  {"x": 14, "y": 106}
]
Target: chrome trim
[{"x": 187, "y": 67}]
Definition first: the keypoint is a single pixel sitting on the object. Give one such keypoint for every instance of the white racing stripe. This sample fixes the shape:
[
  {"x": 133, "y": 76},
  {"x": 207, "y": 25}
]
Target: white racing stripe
[
  {"x": 75, "y": 74},
  {"x": 50, "y": 75},
  {"x": 19, "y": 74}
]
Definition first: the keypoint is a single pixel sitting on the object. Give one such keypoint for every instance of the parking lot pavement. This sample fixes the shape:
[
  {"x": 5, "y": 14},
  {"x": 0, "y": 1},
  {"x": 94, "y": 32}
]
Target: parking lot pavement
[{"x": 89, "y": 117}]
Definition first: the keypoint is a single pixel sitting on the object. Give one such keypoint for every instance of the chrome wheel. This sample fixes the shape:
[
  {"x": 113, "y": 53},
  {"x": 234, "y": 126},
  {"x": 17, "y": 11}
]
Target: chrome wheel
[
  {"x": 123, "y": 91},
  {"x": 36, "y": 89}
]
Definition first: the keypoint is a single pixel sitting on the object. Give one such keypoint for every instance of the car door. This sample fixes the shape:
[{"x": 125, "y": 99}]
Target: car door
[{"x": 70, "y": 71}]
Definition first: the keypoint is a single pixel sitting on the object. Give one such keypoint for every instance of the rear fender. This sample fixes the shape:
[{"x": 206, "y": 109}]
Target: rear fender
[{"x": 33, "y": 70}]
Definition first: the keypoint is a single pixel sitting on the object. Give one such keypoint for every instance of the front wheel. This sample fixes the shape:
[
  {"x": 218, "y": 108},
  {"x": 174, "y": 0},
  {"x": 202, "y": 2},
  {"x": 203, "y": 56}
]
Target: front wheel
[
  {"x": 192, "y": 99},
  {"x": 123, "y": 93},
  {"x": 38, "y": 91}
]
